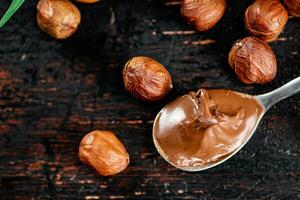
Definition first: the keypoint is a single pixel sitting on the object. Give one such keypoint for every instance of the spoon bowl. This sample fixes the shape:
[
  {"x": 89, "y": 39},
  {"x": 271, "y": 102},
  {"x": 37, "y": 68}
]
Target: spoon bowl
[{"x": 265, "y": 100}]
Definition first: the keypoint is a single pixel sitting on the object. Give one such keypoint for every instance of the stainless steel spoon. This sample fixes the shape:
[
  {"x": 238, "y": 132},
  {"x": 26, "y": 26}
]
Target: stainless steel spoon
[{"x": 266, "y": 100}]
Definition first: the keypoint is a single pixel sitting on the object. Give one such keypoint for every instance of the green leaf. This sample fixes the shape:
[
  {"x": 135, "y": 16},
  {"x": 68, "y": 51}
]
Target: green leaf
[{"x": 14, "y": 6}]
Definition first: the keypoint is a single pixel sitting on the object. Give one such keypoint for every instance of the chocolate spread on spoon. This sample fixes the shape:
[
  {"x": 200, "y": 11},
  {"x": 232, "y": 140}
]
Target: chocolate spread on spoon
[{"x": 202, "y": 128}]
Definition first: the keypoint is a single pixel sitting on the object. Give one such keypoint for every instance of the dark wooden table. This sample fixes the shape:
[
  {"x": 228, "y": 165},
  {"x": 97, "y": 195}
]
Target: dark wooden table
[{"x": 54, "y": 92}]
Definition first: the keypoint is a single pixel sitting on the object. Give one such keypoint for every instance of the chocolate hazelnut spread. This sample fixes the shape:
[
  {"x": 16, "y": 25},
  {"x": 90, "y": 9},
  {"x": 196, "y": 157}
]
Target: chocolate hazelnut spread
[{"x": 203, "y": 127}]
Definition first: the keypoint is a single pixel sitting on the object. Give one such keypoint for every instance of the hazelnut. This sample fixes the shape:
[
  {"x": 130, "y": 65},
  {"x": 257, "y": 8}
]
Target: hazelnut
[
  {"x": 104, "y": 152},
  {"x": 266, "y": 19},
  {"x": 293, "y": 7},
  {"x": 203, "y": 14},
  {"x": 58, "y": 18},
  {"x": 146, "y": 78},
  {"x": 253, "y": 61},
  {"x": 87, "y": 1}
]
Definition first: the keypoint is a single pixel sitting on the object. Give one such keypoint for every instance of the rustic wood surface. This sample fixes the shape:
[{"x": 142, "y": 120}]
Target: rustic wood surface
[{"x": 54, "y": 92}]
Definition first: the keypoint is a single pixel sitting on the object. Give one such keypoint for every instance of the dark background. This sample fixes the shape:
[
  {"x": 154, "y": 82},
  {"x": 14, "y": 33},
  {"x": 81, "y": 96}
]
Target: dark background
[{"x": 54, "y": 92}]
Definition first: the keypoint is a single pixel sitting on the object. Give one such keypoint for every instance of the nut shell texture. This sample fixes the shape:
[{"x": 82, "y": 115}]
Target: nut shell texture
[
  {"x": 146, "y": 78},
  {"x": 88, "y": 1},
  {"x": 104, "y": 152},
  {"x": 203, "y": 14},
  {"x": 266, "y": 19},
  {"x": 293, "y": 7},
  {"x": 58, "y": 18},
  {"x": 253, "y": 61}
]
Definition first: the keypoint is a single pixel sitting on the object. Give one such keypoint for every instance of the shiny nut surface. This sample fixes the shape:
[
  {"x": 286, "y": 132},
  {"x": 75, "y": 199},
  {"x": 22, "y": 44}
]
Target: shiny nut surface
[
  {"x": 88, "y": 1},
  {"x": 253, "y": 61},
  {"x": 265, "y": 19},
  {"x": 293, "y": 7},
  {"x": 203, "y": 14},
  {"x": 146, "y": 78},
  {"x": 58, "y": 18},
  {"x": 104, "y": 152}
]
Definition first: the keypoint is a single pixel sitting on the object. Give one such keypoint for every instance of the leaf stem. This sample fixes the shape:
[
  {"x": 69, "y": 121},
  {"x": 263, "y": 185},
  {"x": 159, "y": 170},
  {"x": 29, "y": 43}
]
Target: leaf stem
[{"x": 14, "y": 6}]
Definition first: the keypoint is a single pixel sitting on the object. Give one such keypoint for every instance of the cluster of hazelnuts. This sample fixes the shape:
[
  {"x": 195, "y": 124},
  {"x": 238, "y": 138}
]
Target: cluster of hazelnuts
[{"x": 251, "y": 58}]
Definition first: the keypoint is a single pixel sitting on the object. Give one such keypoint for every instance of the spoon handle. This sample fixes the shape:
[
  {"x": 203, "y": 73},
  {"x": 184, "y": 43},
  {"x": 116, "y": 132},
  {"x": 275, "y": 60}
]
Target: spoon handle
[{"x": 287, "y": 90}]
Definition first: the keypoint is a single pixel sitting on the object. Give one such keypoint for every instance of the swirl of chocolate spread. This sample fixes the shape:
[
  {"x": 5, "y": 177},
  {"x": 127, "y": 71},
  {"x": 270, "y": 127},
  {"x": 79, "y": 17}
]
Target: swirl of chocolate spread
[{"x": 203, "y": 127}]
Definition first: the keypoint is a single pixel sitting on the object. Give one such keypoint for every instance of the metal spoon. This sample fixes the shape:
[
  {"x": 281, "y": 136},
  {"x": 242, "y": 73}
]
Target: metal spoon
[{"x": 266, "y": 100}]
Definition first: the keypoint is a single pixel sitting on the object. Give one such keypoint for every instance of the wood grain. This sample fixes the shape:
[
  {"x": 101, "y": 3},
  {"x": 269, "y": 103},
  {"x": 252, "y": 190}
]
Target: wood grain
[{"x": 53, "y": 92}]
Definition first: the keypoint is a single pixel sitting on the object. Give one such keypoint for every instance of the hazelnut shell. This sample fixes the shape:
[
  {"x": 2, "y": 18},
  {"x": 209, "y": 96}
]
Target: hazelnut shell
[
  {"x": 146, "y": 78},
  {"x": 58, "y": 18},
  {"x": 266, "y": 19},
  {"x": 88, "y": 1},
  {"x": 293, "y": 6},
  {"x": 253, "y": 61},
  {"x": 104, "y": 152},
  {"x": 203, "y": 14}
]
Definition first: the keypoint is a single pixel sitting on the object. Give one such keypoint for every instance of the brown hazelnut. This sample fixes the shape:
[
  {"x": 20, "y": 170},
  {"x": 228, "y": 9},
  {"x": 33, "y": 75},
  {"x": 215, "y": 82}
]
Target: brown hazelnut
[
  {"x": 293, "y": 7},
  {"x": 146, "y": 78},
  {"x": 104, "y": 152},
  {"x": 87, "y": 1},
  {"x": 203, "y": 14},
  {"x": 266, "y": 19},
  {"x": 253, "y": 61},
  {"x": 58, "y": 18}
]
